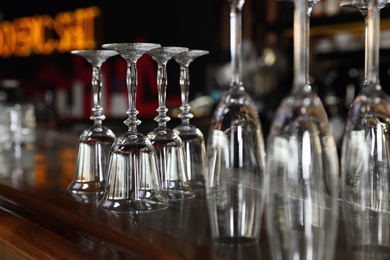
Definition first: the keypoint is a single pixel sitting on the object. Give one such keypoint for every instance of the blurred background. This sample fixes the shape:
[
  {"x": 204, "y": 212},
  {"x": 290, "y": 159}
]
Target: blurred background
[{"x": 36, "y": 66}]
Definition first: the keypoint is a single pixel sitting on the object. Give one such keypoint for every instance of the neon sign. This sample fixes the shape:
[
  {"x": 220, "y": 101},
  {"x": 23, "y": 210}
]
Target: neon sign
[{"x": 43, "y": 34}]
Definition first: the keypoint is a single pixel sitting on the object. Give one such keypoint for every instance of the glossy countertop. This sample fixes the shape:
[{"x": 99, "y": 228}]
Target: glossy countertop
[{"x": 39, "y": 219}]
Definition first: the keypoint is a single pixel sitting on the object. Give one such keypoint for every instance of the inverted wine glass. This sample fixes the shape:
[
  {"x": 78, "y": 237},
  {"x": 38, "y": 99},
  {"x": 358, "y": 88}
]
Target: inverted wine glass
[
  {"x": 302, "y": 163},
  {"x": 133, "y": 185},
  {"x": 191, "y": 136},
  {"x": 169, "y": 146},
  {"x": 95, "y": 142},
  {"x": 235, "y": 167},
  {"x": 365, "y": 157}
]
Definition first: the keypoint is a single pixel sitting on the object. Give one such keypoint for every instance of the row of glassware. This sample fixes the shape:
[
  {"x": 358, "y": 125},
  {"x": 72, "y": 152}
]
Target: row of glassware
[
  {"x": 140, "y": 173},
  {"x": 296, "y": 175}
]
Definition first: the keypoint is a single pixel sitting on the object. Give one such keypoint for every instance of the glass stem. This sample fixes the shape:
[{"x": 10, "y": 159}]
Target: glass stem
[
  {"x": 302, "y": 13},
  {"x": 236, "y": 40},
  {"x": 162, "y": 83},
  {"x": 185, "y": 116},
  {"x": 97, "y": 110},
  {"x": 373, "y": 43},
  {"x": 131, "y": 79},
  {"x": 366, "y": 55}
]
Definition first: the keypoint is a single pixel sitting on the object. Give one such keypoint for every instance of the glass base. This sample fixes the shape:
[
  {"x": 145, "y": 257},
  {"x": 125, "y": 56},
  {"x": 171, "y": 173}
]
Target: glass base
[
  {"x": 178, "y": 194},
  {"x": 86, "y": 197},
  {"x": 86, "y": 187},
  {"x": 133, "y": 205},
  {"x": 235, "y": 240}
]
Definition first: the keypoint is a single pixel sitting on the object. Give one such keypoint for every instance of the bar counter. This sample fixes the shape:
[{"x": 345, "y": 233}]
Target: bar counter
[{"x": 40, "y": 220}]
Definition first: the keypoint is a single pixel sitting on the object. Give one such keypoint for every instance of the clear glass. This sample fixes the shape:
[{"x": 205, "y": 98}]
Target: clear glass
[
  {"x": 133, "y": 185},
  {"x": 365, "y": 154},
  {"x": 95, "y": 142},
  {"x": 191, "y": 136},
  {"x": 171, "y": 162},
  {"x": 302, "y": 164},
  {"x": 17, "y": 125},
  {"x": 235, "y": 167}
]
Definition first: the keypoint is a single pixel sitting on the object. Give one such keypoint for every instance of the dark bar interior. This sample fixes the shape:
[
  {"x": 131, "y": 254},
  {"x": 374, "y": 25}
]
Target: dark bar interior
[{"x": 40, "y": 220}]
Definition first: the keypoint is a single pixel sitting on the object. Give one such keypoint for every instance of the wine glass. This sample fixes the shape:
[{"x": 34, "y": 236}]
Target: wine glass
[
  {"x": 133, "y": 184},
  {"x": 191, "y": 136},
  {"x": 235, "y": 167},
  {"x": 168, "y": 144},
  {"x": 302, "y": 164},
  {"x": 365, "y": 153},
  {"x": 95, "y": 142}
]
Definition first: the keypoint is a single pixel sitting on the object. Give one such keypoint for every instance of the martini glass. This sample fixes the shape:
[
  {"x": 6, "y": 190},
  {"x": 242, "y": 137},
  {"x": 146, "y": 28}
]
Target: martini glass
[
  {"x": 95, "y": 142},
  {"x": 235, "y": 167},
  {"x": 169, "y": 146},
  {"x": 302, "y": 163},
  {"x": 365, "y": 157},
  {"x": 133, "y": 184},
  {"x": 192, "y": 137}
]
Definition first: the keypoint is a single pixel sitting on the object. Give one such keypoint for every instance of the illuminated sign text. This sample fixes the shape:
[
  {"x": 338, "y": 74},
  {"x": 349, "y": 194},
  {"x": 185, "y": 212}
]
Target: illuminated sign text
[{"x": 44, "y": 34}]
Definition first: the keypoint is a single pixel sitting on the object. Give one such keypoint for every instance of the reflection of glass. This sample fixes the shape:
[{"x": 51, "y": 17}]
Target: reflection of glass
[
  {"x": 132, "y": 180},
  {"x": 365, "y": 157},
  {"x": 302, "y": 163},
  {"x": 235, "y": 156},
  {"x": 168, "y": 145},
  {"x": 17, "y": 125},
  {"x": 18, "y": 164},
  {"x": 95, "y": 142},
  {"x": 192, "y": 137}
]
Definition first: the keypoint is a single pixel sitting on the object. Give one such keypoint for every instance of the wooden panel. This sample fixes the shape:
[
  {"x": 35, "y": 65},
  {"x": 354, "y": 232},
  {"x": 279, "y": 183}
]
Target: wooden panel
[
  {"x": 83, "y": 224},
  {"x": 22, "y": 239}
]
